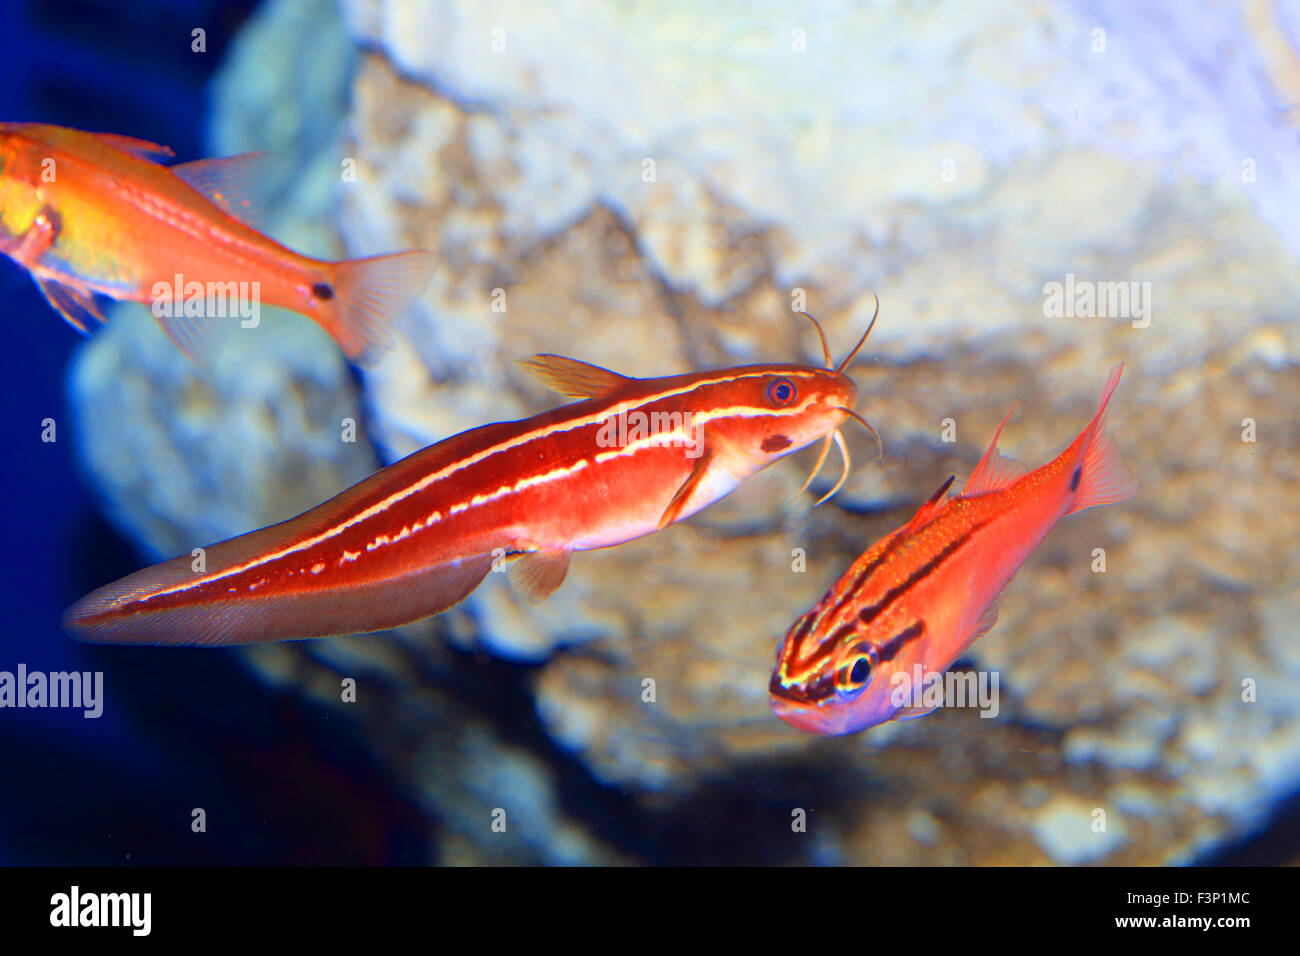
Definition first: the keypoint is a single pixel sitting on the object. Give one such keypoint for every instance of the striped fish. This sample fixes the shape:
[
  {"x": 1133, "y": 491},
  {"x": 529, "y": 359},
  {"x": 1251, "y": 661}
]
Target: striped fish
[
  {"x": 925, "y": 593},
  {"x": 631, "y": 457}
]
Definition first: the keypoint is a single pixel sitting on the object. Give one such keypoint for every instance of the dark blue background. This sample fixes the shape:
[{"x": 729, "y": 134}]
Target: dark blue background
[{"x": 181, "y": 729}]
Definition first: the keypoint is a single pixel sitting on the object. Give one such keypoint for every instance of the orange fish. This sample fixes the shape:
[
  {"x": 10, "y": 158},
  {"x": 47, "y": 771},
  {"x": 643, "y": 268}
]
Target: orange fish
[
  {"x": 94, "y": 214},
  {"x": 632, "y": 457},
  {"x": 925, "y": 593}
]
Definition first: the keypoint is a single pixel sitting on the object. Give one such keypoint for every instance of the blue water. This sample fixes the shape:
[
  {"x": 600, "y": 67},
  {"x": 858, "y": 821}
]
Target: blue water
[{"x": 180, "y": 730}]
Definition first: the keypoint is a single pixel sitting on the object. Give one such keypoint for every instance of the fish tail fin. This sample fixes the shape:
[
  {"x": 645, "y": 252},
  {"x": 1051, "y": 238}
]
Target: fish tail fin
[
  {"x": 1103, "y": 478},
  {"x": 370, "y": 293}
]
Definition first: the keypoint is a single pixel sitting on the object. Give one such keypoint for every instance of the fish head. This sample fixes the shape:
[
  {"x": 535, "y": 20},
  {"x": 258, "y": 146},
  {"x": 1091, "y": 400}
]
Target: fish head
[
  {"x": 838, "y": 670},
  {"x": 765, "y": 412},
  {"x": 21, "y": 196}
]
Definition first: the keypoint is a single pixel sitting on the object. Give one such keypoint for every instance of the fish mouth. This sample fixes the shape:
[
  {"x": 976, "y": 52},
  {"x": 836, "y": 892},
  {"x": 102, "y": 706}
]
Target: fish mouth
[
  {"x": 802, "y": 694},
  {"x": 809, "y": 719}
]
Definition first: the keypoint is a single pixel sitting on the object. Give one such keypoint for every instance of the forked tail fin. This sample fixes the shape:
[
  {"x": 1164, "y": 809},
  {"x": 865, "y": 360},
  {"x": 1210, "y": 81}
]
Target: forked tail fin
[
  {"x": 370, "y": 293},
  {"x": 1102, "y": 478}
]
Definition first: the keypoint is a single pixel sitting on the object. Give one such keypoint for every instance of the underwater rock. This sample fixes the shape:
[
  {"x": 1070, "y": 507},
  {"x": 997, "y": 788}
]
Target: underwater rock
[
  {"x": 653, "y": 191},
  {"x": 597, "y": 192},
  {"x": 185, "y": 454}
]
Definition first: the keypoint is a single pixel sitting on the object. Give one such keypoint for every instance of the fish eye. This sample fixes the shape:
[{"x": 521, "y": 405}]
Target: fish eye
[
  {"x": 855, "y": 674},
  {"x": 781, "y": 391}
]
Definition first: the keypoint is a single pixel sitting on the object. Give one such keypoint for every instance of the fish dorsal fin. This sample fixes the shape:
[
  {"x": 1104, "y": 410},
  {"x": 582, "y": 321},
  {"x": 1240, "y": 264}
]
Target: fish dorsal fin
[
  {"x": 139, "y": 148},
  {"x": 994, "y": 470},
  {"x": 235, "y": 184},
  {"x": 571, "y": 378},
  {"x": 932, "y": 507},
  {"x": 537, "y": 574}
]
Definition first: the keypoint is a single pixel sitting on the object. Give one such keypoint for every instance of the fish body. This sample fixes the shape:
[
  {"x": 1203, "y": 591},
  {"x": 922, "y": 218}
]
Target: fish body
[
  {"x": 926, "y": 592},
  {"x": 632, "y": 457},
  {"x": 94, "y": 214}
]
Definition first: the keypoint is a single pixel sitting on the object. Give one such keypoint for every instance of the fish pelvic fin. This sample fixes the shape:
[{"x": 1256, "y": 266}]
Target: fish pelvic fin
[
  {"x": 538, "y": 574},
  {"x": 367, "y": 295},
  {"x": 571, "y": 378},
  {"x": 77, "y": 306},
  {"x": 1101, "y": 477}
]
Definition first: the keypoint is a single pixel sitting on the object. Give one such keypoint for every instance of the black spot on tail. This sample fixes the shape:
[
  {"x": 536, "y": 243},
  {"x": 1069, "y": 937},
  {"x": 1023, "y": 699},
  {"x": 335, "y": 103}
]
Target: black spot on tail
[
  {"x": 323, "y": 291},
  {"x": 1076, "y": 477},
  {"x": 775, "y": 443}
]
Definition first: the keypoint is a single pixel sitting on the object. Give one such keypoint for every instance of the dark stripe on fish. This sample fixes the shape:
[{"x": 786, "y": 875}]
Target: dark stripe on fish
[
  {"x": 889, "y": 650},
  {"x": 872, "y": 611}
]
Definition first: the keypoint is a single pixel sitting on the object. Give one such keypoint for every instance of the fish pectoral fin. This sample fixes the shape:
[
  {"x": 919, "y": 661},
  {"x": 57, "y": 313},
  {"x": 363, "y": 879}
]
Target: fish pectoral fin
[
  {"x": 140, "y": 148},
  {"x": 36, "y": 240},
  {"x": 537, "y": 574},
  {"x": 77, "y": 306},
  {"x": 982, "y": 626},
  {"x": 683, "y": 495},
  {"x": 235, "y": 184},
  {"x": 571, "y": 378},
  {"x": 986, "y": 621}
]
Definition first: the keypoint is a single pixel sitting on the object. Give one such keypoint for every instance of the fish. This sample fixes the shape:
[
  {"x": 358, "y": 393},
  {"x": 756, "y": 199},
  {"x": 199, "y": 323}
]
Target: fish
[
  {"x": 629, "y": 458},
  {"x": 95, "y": 214},
  {"x": 926, "y": 592}
]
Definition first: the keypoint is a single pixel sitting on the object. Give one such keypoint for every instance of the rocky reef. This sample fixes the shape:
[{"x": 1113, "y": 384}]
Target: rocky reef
[{"x": 655, "y": 190}]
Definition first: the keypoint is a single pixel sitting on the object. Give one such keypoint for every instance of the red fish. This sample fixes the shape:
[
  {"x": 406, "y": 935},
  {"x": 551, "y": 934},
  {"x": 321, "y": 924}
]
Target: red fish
[
  {"x": 925, "y": 593},
  {"x": 634, "y": 456},
  {"x": 94, "y": 214}
]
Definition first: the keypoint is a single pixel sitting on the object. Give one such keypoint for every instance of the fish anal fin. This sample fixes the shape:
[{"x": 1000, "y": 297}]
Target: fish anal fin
[
  {"x": 235, "y": 184},
  {"x": 995, "y": 471},
  {"x": 77, "y": 306},
  {"x": 911, "y": 713},
  {"x": 195, "y": 335},
  {"x": 537, "y": 574},
  {"x": 120, "y": 612},
  {"x": 928, "y": 511},
  {"x": 140, "y": 148},
  {"x": 571, "y": 378},
  {"x": 682, "y": 497}
]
